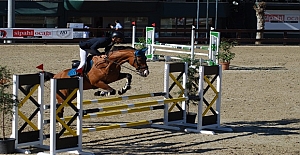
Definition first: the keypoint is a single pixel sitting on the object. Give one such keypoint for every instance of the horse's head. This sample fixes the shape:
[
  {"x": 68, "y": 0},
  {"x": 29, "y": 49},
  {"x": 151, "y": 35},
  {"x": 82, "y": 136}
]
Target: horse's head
[
  {"x": 140, "y": 62},
  {"x": 134, "y": 57}
]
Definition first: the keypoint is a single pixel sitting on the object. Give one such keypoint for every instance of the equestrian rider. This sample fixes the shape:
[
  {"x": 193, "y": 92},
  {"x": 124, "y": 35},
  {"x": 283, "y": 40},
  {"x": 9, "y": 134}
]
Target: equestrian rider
[{"x": 91, "y": 46}]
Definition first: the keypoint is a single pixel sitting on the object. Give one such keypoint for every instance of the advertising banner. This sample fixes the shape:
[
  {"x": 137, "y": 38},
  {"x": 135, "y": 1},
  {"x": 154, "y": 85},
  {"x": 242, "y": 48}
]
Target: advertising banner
[
  {"x": 36, "y": 33},
  {"x": 282, "y": 19}
]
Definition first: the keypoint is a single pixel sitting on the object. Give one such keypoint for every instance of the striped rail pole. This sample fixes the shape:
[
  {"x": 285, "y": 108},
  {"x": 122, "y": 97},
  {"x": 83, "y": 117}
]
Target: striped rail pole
[
  {"x": 114, "y": 99},
  {"x": 141, "y": 104},
  {"x": 112, "y": 113},
  {"x": 113, "y": 109},
  {"x": 131, "y": 124},
  {"x": 122, "y": 98},
  {"x": 132, "y": 105},
  {"x": 116, "y": 126}
]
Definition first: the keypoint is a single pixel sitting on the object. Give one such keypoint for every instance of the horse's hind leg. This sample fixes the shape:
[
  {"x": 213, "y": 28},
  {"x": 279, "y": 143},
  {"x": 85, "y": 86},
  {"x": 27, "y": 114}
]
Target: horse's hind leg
[{"x": 127, "y": 84}]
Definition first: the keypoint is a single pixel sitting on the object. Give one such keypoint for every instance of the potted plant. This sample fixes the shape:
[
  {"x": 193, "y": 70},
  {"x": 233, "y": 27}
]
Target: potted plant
[
  {"x": 141, "y": 44},
  {"x": 225, "y": 55},
  {"x": 192, "y": 90},
  {"x": 7, "y": 102}
]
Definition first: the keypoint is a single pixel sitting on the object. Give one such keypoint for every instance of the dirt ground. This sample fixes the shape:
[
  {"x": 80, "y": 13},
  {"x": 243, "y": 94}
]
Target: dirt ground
[{"x": 260, "y": 103}]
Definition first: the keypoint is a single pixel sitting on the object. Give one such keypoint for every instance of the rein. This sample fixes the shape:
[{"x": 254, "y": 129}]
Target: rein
[{"x": 121, "y": 65}]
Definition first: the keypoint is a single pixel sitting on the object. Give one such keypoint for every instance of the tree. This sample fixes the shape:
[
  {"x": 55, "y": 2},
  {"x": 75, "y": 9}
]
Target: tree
[{"x": 260, "y": 8}]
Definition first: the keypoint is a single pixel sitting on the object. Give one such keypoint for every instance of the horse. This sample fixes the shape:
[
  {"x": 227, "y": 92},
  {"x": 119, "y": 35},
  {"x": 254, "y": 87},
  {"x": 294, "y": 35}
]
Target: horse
[{"x": 105, "y": 71}]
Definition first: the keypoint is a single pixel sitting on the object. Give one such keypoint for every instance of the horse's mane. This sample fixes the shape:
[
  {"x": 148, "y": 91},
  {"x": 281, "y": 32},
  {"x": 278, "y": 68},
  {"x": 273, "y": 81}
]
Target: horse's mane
[{"x": 116, "y": 48}]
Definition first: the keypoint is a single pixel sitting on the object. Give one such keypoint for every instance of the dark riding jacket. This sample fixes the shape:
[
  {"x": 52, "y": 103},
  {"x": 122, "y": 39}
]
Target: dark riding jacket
[{"x": 95, "y": 43}]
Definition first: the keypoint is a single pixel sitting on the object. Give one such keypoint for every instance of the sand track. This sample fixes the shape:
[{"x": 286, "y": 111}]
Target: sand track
[{"x": 260, "y": 102}]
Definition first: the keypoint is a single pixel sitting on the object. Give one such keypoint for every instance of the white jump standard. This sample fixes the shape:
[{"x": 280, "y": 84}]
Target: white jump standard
[
  {"x": 33, "y": 136},
  {"x": 204, "y": 121},
  {"x": 73, "y": 143}
]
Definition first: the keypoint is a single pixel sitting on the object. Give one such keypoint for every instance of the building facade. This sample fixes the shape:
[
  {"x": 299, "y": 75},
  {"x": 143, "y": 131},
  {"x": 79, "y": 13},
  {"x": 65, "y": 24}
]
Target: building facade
[{"x": 166, "y": 14}]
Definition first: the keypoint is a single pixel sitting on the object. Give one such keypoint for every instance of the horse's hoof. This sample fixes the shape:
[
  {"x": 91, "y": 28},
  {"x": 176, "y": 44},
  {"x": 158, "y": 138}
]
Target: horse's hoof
[
  {"x": 112, "y": 92},
  {"x": 97, "y": 93},
  {"x": 124, "y": 89},
  {"x": 60, "y": 115},
  {"x": 120, "y": 92},
  {"x": 103, "y": 93}
]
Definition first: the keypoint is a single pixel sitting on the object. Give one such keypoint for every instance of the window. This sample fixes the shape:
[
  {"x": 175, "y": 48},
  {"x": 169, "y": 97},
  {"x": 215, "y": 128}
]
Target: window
[
  {"x": 183, "y": 23},
  {"x": 34, "y": 21}
]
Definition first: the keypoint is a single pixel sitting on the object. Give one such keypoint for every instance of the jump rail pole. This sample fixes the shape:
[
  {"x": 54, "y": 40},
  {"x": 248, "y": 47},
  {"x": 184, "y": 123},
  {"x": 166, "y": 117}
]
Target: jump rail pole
[
  {"x": 116, "y": 126},
  {"x": 116, "y": 112},
  {"x": 113, "y": 99},
  {"x": 123, "y": 98}
]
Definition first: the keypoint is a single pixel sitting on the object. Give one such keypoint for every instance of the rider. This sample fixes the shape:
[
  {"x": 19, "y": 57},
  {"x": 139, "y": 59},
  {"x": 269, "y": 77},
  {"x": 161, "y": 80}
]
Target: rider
[{"x": 91, "y": 46}]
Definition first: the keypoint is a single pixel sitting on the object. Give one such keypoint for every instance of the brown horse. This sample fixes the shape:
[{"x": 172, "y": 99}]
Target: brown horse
[{"x": 107, "y": 70}]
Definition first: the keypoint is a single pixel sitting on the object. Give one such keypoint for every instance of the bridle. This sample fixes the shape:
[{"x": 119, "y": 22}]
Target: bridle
[{"x": 135, "y": 61}]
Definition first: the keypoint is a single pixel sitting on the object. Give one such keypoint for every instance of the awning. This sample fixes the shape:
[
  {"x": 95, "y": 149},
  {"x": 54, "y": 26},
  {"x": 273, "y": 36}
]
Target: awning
[
  {"x": 36, "y": 8},
  {"x": 31, "y": 8}
]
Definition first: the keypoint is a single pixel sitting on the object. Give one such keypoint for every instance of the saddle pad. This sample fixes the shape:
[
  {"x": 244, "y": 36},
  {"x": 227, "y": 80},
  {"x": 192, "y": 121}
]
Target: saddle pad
[{"x": 73, "y": 72}]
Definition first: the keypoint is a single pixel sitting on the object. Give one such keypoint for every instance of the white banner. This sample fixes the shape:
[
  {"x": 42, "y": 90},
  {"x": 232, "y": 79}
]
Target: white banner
[
  {"x": 282, "y": 19},
  {"x": 36, "y": 33}
]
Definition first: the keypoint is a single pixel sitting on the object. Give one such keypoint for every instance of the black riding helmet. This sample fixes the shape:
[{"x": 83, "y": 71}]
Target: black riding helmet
[{"x": 117, "y": 34}]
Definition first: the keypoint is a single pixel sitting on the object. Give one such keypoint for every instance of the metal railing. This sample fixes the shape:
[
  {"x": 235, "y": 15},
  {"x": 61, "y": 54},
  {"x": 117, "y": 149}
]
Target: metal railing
[{"x": 183, "y": 36}]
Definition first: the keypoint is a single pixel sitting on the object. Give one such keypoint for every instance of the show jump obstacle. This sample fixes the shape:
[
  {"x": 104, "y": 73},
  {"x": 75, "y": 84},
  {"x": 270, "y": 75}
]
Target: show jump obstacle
[
  {"x": 213, "y": 47},
  {"x": 175, "y": 113}
]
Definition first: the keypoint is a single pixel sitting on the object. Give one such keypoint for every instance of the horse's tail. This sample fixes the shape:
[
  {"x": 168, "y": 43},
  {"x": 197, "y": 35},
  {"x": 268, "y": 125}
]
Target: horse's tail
[{"x": 47, "y": 77}]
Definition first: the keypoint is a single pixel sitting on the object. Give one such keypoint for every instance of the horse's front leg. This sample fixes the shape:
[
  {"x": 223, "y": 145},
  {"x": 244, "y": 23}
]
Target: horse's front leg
[
  {"x": 111, "y": 91},
  {"x": 104, "y": 86},
  {"x": 127, "y": 84}
]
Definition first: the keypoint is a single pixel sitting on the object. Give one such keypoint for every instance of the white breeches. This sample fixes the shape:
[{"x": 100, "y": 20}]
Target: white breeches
[{"x": 83, "y": 55}]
